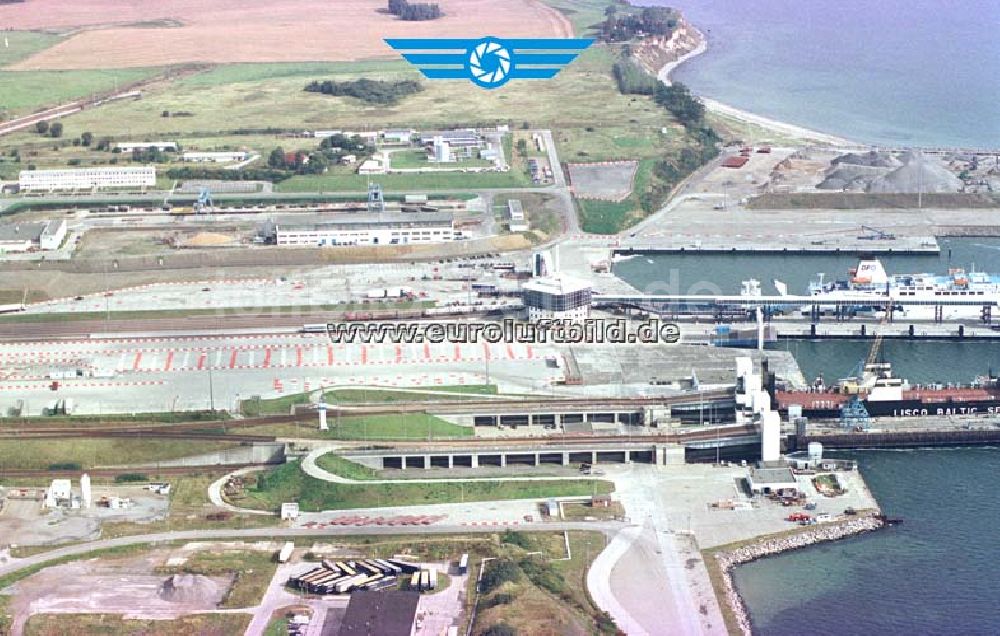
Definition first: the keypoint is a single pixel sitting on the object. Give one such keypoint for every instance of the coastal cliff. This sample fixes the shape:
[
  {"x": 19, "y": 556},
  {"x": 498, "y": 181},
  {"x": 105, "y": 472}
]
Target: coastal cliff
[
  {"x": 656, "y": 51},
  {"x": 728, "y": 559}
]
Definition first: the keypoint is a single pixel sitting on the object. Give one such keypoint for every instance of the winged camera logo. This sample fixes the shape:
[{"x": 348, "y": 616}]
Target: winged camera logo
[{"x": 489, "y": 62}]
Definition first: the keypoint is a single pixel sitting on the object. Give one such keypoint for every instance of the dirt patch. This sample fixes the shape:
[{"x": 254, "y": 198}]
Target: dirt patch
[
  {"x": 610, "y": 180},
  {"x": 141, "y": 34}
]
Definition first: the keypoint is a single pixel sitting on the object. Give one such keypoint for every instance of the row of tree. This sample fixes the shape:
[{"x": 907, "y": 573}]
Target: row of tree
[
  {"x": 415, "y": 11},
  {"x": 372, "y": 91},
  {"x": 221, "y": 174},
  {"x": 685, "y": 107}
]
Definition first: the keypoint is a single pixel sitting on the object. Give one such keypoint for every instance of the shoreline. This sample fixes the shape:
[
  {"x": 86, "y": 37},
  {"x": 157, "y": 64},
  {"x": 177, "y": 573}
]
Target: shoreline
[
  {"x": 744, "y": 116},
  {"x": 728, "y": 560}
]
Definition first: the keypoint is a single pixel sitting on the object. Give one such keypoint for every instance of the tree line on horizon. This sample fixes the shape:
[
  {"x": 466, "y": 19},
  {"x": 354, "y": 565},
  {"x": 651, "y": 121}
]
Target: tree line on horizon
[
  {"x": 415, "y": 11},
  {"x": 622, "y": 26}
]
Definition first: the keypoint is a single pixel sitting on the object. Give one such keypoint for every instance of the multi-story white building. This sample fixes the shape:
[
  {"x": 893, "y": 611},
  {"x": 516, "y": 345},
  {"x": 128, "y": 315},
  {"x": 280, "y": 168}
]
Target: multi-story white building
[
  {"x": 87, "y": 178},
  {"x": 216, "y": 157},
  {"x": 557, "y": 297},
  {"x": 388, "y": 228}
]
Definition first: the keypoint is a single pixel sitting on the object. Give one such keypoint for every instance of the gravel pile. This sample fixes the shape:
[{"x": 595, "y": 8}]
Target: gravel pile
[
  {"x": 918, "y": 174},
  {"x": 186, "y": 588}
]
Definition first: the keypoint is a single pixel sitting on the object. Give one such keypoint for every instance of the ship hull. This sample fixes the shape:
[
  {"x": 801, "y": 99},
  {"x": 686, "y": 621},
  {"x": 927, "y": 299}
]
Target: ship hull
[{"x": 906, "y": 408}]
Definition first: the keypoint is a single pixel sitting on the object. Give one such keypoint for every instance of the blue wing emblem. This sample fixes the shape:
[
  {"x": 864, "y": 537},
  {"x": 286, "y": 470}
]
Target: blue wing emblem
[{"x": 489, "y": 62}]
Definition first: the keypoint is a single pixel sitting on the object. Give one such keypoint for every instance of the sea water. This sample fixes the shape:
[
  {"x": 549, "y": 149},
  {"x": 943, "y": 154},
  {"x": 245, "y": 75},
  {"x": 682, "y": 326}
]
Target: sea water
[{"x": 895, "y": 72}]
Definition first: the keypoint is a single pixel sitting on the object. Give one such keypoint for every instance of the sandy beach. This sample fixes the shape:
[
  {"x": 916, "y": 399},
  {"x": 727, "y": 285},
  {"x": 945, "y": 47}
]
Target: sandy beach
[{"x": 730, "y": 111}]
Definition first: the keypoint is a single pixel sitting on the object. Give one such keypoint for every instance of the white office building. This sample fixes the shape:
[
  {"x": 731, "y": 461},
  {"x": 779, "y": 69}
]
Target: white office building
[
  {"x": 387, "y": 228},
  {"x": 215, "y": 157},
  {"x": 87, "y": 178},
  {"x": 557, "y": 297}
]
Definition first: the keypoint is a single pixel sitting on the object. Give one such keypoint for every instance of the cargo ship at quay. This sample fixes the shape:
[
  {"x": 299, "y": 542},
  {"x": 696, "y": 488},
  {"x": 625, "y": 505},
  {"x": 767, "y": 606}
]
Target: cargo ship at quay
[{"x": 883, "y": 395}]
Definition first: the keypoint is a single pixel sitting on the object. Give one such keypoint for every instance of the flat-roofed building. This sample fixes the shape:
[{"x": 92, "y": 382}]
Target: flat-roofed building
[
  {"x": 87, "y": 178},
  {"x": 215, "y": 156},
  {"x": 397, "y": 136},
  {"x": 381, "y": 613},
  {"x": 388, "y": 228},
  {"x": 557, "y": 297},
  {"x": 516, "y": 220},
  {"x": 129, "y": 146},
  {"x": 456, "y": 138}
]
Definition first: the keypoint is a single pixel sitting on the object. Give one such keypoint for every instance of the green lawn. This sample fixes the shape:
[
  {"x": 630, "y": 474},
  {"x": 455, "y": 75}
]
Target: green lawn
[
  {"x": 110, "y": 624},
  {"x": 372, "y": 427},
  {"x": 345, "y": 467},
  {"x": 289, "y": 483},
  {"x": 41, "y": 453}
]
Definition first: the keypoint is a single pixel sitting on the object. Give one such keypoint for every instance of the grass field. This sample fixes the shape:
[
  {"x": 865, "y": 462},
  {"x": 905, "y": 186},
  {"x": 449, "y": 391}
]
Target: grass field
[
  {"x": 112, "y": 625},
  {"x": 20, "y": 44},
  {"x": 23, "y": 91},
  {"x": 289, "y": 483},
  {"x": 41, "y": 453}
]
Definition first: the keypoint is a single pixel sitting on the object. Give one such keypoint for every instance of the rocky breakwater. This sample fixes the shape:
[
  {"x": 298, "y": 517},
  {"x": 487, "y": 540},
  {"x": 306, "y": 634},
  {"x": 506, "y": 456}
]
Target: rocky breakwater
[
  {"x": 729, "y": 559},
  {"x": 656, "y": 52}
]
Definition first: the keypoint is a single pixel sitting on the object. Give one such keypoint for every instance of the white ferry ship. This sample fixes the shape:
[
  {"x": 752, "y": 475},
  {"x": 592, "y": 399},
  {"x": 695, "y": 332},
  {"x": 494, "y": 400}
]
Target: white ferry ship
[{"x": 870, "y": 280}]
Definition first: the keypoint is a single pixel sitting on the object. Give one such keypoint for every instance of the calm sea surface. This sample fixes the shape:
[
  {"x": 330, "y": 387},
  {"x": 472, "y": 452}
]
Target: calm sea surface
[{"x": 900, "y": 72}]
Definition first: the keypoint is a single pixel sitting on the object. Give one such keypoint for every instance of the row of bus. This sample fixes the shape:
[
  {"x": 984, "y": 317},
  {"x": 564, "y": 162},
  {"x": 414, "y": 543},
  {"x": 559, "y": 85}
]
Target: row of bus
[{"x": 342, "y": 577}]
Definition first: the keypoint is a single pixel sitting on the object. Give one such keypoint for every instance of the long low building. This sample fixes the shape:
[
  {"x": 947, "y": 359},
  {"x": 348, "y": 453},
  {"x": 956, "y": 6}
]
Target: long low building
[
  {"x": 388, "y": 228},
  {"x": 215, "y": 156},
  {"x": 87, "y": 178},
  {"x": 129, "y": 146}
]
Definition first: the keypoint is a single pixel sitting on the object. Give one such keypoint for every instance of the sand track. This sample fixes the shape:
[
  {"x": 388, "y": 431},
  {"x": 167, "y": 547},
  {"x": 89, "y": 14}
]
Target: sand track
[{"x": 240, "y": 31}]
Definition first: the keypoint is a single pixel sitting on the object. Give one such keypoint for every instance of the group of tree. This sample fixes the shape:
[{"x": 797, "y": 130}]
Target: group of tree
[
  {"x": 629, "y": 24},
  {"x": 340, "y": 145},
  {"x": 372, "y": 91},
  {"x": 298, "y": 162},
  {"x": 633, "y": 79},
  {"x": 415, "y": 11},
  {"x": 54, "y": 130},
  {"x": 685, "y": 107}
]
